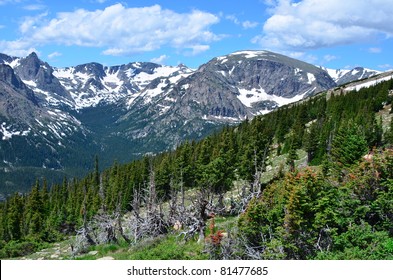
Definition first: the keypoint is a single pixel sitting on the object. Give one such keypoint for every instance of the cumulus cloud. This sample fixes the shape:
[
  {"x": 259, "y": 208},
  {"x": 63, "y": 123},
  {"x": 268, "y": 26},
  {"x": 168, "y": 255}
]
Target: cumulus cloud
[
  {"x": 16, "y": 48},
  {"x": 160, "y": 59},
  {"x": 311, "y": 24},
  {"x": 122, "y": 31}
]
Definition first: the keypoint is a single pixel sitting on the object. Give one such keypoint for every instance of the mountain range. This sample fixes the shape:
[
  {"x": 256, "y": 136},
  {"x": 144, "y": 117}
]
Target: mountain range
[{"x": 54, "y": 121}]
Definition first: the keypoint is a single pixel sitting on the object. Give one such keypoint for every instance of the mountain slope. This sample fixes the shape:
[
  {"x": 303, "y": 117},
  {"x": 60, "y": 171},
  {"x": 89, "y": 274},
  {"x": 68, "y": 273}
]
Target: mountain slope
[
  {"x": 58, "y": 119},
  {"x": 346, "y": 76},
  {"x": 225, "y": 90}
]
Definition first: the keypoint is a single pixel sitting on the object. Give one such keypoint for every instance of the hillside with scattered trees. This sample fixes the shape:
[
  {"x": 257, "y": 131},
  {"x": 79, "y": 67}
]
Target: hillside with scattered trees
[{"x": 337, "y": 203}]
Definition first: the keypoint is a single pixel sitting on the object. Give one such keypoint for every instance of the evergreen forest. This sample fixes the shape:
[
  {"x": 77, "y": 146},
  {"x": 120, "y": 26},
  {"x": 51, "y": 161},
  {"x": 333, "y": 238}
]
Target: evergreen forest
[{"x": 336, "y": 203}]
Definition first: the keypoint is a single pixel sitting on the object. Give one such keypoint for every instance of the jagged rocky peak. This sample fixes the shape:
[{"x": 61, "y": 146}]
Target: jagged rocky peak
[
  {"x": 29, "y": 67},
  {"x": 38, "y": 75}
]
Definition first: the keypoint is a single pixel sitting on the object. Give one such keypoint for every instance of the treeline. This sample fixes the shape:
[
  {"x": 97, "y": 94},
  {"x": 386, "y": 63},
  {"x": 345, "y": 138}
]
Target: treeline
[{"x": 335, "y": 132}]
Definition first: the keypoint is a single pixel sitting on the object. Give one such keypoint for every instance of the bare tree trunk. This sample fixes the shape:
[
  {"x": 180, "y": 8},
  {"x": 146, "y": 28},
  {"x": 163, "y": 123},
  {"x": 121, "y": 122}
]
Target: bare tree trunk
[
  {"x": 120, "y": 226},
  {"x": 202, "y": 219}
]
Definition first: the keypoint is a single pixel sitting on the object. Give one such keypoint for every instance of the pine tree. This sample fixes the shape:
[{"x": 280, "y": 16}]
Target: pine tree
[
  {"x": 15, "y": 217},
  {"x": 34, "y": 213},
  {"x": 311, "y": 142},
  {"x": 349, "y": 144},
  {"x": 292, "y": 156}
]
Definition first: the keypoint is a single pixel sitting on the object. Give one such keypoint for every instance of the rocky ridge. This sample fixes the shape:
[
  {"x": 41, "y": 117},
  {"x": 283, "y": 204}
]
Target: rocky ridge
[{"x": 57, "y": 119}]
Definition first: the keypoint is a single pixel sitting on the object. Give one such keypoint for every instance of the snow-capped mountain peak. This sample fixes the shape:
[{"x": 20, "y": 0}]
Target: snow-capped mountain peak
[
  {"x": 64, "y": 116},
  {"x": 343, "y": 76},
  {"x": 92, "y": 84}
]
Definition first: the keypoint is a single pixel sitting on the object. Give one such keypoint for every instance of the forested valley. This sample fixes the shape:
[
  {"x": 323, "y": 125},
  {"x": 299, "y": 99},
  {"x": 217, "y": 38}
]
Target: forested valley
[{"x": 335, "y": 204}]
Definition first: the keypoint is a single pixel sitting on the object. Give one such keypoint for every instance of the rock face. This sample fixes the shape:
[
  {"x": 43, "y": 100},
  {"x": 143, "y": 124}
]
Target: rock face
[
  {"x": 17, "y": 101},
  {"x": 39, "y": 75},
  {"x": 341, "y": 77},
  {"x": 57, "y": 119},
  {"x": 355, "y": 74}
]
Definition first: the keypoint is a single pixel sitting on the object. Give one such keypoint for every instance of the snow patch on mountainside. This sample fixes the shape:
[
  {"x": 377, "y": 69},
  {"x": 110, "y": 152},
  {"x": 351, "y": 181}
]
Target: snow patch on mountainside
[
  {"x": 164, "y": 85},
  {"x": 249, "y": 54},
  {"x": 311, "y": 78},
  {"x": 336, "y": 74},
  {"x": 370, "y": 82},
  {"x": 7, "y": 131},
  {"x": 248, "y": 97},
  {"x": 343, "y": 76}
]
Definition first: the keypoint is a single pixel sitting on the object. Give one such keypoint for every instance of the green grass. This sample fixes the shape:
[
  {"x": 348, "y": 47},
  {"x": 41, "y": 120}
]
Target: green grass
[
  {"x": 160, "y": 248},
  {"x": 167, "y": 248}
]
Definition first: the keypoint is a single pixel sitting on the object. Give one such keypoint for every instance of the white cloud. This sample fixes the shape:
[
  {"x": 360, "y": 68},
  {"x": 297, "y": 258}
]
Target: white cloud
[
  {"x": 3, "y": 2},
  {"x": 249, "y": 24},
  {"x": 302, "y": 56},
  {"x": 234, "y": 19},
  {"x": 386, "y": 66},
  {"x": 310, "y": 24},
  {"x": 54, "y": 54},
  {"x": 245, "y": 24},
  {"x": 160, "y": 59},
  {"x": 122, "y": 31},
  {"x": 16, "y": 48},
  {"x": 375, "y": 50},
  {"x": 34, "y": 7},
  {"x": 197, "y": 49},
  {"x": 329, "y": 57},
  {"x": 30, "y": 23}
]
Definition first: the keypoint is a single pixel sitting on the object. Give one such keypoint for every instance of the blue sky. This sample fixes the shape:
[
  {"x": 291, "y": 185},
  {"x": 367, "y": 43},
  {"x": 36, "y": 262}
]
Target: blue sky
[{"x": 335, "y": 34}]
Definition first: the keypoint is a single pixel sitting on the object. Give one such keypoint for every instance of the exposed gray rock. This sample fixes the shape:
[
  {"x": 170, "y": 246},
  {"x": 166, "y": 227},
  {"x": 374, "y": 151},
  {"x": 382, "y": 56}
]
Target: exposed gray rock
[
  {"x": 17, "y": 101},
  {"x": 106, "y": 258},
  {"x": 355, "y": 74},
  {"x": 40, "y": 73}
]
